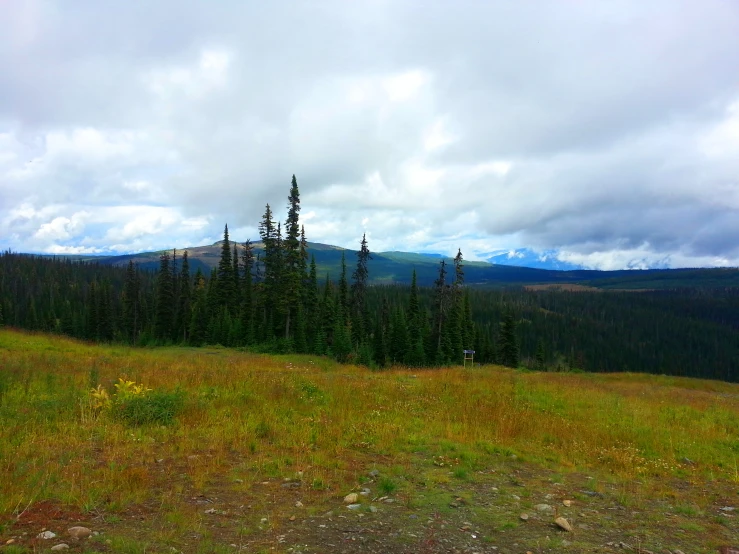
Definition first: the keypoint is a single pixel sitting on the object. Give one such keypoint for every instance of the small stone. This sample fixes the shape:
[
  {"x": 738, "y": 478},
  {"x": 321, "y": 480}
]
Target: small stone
[
  {"x": 373, "y": 509},
  {"x": 562, "y": 523},
  {"x": 567, "y": 503},
  {"x": 351, "y": 498},
  {"x": 524, "y": 517},
  {"x": 239, "y": 481},
  {"x": 354, "y": 506},
  {"x": 292, "y": 518},
  {"x": 160, "y": 460},
  {"x": 543, "y": 508},
  {"x": 298, "y": 504},
  {"x": 46, "y": 535},
  {"x": 211, "y": 511},
  {"x": 374, "y": 473},
  {"x": 10, "y": 541},
  {"x": 79, "y": 532},
  {"x": 583, "y": 526},
  {"x": 389, "y": 500},
  {"x": 365, "y": 492},
  {"x": 515, "y": 497},
  {"x": 727, "y": 509},
  {"x": 61, "y": 546}
]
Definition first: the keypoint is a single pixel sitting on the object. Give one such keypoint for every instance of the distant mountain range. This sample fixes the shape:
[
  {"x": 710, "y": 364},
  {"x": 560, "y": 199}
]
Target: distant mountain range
[
  {"x": 502, "y": 268},
  {"x": 525, "y": 257}
]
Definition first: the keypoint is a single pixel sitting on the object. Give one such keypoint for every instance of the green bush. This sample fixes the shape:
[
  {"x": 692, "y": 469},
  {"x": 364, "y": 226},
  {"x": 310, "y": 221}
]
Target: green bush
[{"x": 157, "y": 407}]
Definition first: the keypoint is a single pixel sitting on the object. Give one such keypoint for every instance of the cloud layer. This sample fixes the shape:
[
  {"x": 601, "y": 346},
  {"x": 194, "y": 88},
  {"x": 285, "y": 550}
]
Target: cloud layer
[{"x": 608, "y": 131}]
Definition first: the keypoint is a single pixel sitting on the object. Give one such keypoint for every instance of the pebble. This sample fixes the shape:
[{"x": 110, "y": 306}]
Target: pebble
[
  {"x": 373, "y": 509},
  {"x": 292, "y": 518},
  {"x": 374, "y": 473},
  {"x": 298, "y": 504},
  {"x": 727, "y": 509},
  {"x": 567, "y": 503},
  {"x": 46, "y": 535},
  {"x": 354, "y": 506},
  {"x": 562, "y": 523},
  {"x": 79, "y": 532},
  {"x": 351, "y": 498},
  {"x": 543, "y": 508},
  {"x": 10, "y": 541},
  {"x": 365, "y": 492},
  {"x": 524, "y": 517},
  {"x": 61, "y": 546}
]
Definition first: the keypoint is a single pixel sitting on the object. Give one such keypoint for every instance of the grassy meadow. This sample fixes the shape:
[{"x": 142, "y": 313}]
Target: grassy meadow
[{"x": 259, "y": 429}]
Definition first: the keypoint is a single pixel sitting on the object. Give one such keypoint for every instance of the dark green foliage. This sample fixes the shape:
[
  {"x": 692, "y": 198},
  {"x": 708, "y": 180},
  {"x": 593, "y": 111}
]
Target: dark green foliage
[
  {"x": 226, "y": 290},
  {"x": 508, "y": 354},
  {"x": 155, "y": 407},
  {"x": 164, "y": 300},
  {"x": 359, "y": 292}
]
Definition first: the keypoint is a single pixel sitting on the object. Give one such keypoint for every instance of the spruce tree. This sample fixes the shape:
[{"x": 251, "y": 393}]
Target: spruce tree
[
  {"x": 359, "y": 292},
  {"x": 343, "y": 301},
  {"x": 131, "y": 304},
  {"x": 226, "y": 278},
  {"x": 184, "y": 308},
  {"x": 539, "y": 358},
  {"x": 164, "y": 300},
  {"x": 294, "y": 264},
  {"x": 247, "y": 294},
  {"x": 441, "y": 293},
  {"x": 508, "y": 343},
  {"x": 415, "y": 355},
  {"x": 312, "y": 304},
  {"x": 380, "y": 344},
  {"x": 199, "y": 320}
]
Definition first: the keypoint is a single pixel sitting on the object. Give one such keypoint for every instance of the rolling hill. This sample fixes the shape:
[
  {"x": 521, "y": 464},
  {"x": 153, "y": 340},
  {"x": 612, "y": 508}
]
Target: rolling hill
[{"x": 397, "y": 267}]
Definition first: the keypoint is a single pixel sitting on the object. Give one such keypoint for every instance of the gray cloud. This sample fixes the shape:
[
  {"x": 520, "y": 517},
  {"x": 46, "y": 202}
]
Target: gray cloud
[{"x": 607, "y": 130}]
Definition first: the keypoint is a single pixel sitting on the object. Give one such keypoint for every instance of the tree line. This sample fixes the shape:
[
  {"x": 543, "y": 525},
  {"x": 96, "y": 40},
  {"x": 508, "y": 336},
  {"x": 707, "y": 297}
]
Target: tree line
[{"x": 273, "y": 300}]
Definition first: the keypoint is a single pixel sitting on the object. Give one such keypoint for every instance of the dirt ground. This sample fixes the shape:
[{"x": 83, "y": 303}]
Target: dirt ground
[{"x": 506, "y": 509}]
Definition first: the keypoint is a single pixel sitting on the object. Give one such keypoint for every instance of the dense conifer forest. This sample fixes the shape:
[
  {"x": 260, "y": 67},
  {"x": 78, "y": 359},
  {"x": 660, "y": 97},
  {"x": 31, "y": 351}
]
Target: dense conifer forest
[{"x": 276, "y": 301}]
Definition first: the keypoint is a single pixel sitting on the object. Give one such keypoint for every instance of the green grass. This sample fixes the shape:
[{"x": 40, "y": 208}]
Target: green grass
[{"x": 215, "y": 415}]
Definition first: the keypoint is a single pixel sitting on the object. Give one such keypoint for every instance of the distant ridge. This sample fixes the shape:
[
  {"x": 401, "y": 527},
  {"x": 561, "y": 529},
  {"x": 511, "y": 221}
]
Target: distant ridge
[{"x": 396, "y": 267}]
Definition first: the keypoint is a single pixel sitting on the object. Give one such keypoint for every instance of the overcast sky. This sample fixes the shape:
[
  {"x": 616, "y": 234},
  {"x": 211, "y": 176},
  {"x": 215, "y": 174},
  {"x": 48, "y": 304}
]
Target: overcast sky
[{"x": 608, "y": 131}]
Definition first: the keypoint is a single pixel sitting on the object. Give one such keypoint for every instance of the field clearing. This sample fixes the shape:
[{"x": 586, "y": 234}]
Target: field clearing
[{"x": 255, "y": 434}]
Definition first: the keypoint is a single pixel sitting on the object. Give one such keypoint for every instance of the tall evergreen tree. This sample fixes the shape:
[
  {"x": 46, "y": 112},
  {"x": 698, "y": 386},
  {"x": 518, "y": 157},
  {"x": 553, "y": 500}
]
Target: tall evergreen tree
[
  {"x": 416, "y": 354},
  {"x": 164, "y": 300},
  {"x": 508, "y": 343},
  {"x": 184, "y": 307},
  {"x": 131, "y": 304},
  {"x": 247, "y": 294},
  {"x": 359, "y": 292},
  {"x": 226, "y": 280},
  {"x": 343, "y": 301},
  {"x": 294, "y": 266},
  {"x": 198, "y": 332}
]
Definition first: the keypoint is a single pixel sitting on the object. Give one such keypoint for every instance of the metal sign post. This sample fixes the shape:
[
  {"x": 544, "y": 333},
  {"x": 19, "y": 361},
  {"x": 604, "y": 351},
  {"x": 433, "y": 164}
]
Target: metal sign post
[{"x": 469, "y": 355}]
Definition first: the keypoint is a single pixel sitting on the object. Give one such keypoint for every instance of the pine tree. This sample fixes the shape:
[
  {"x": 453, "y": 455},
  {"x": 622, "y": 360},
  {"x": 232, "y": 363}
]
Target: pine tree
[
  {"x": 344, "y": 291},
  {"x": 184, "y": 308},
  {"x": 312, "y": 304},
  {"x": 380, "y": 344},
  {"x": 199, "y": 319},
  {"x": 399, "y": 342},
  {"x": 271, "y": 264},
  {"x": 539, "y": 359},
  {"x": 131, "y": 304},
  {"x": 226, "y": 279},
  {"x": 359, "y": 292},
  {"x": 247, "y": 294},
  {"x": 415, "y": 355},
  {"x": 237, "y": 280},
  {"x": 164, "y": 300},
  {"x": 328, "y": 315},
  {"x": 293, "y": 258},
  {"x": 507, "y": 342},
  {"x": 441, "y": 293}
]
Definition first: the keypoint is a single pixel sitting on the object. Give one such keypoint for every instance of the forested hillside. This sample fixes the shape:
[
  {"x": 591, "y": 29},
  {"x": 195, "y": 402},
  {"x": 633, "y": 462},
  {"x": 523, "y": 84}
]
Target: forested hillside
[{"x": 275, "y": 300}]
